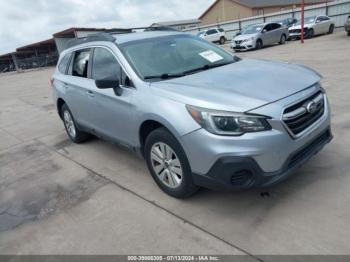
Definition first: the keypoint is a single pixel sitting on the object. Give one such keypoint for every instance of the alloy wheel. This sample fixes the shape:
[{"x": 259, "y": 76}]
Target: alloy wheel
[
  {"x": 166, "y": 165},
  {"x": 69, "y": 123}
]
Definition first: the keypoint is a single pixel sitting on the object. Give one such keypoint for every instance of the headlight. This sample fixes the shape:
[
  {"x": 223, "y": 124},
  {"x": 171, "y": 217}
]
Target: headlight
[
  {"x": 248, "y": 39},
  {"x": 228, "y": 123}
]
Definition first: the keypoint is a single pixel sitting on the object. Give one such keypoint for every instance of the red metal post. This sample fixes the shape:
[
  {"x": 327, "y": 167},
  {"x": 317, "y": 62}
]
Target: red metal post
[{"x": 302, "y": 20}]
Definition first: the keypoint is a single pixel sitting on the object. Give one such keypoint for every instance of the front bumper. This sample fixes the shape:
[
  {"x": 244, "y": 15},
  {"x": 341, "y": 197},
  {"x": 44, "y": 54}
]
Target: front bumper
[
  {"x": 265, "y": 155},
  {"x": 229, "y": 173},
  {"x": 243, "y": 46},
  {"x": 296, "y": 35}
]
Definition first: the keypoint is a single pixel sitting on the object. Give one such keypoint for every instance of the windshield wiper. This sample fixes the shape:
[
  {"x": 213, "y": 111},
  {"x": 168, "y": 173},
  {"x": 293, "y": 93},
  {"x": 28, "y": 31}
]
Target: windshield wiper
[
  {"x": 164, "y": 76},
  {"x": 202, "y": 68},
  {"x": 206, "y": 67}
]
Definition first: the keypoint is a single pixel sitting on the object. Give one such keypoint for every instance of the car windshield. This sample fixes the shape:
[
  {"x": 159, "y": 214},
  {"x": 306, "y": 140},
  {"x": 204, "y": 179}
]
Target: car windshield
[
  {"x": 307, "y": 20},
  {"x": 283, "y": 22},
  {"x": 252, "y": 29},
  {"x": 173, "y": 56}
]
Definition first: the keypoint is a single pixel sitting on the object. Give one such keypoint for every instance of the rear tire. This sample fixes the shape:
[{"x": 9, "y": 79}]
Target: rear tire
[
  {"x": 331, "y": 29},
  {"x": 259, "y": 44},
  {"x": 283, "y": 39},
  {"x": 72, "y": 130},
  {"x": 168, "y": 164}
]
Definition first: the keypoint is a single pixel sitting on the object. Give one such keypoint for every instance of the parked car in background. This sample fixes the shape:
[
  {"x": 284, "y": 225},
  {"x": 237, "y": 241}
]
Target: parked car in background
[
  {"x": 198, "y": 115},
  {"x": 287, "y": 22},
  {"x": 313, "y": 25},
  {"x": 214, "y": 35},
  {"x": 347, "y": 25},
  {"x": 260, "y": 35}
]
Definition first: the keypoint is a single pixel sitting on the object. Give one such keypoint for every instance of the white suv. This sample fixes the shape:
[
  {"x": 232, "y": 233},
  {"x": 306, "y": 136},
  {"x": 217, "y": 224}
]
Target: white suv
[{"x": 217, "y": 35}]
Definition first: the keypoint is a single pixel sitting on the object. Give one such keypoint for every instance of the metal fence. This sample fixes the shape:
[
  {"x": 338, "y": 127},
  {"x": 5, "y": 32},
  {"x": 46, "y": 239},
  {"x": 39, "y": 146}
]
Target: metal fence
[
  {"x": 39, "y": 61},
  {"x": 338, "y": 10},
  {"x": 43, "y": 60}
]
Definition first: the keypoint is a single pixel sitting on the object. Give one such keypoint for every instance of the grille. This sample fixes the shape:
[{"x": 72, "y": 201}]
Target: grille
[
  {"x": 241, "y": 178},
  {"x": 238, "y": 42},
  {"x": 302, "y": 115},
  {"x": 295, "y": 31},
  {"x": 302, "y": 154}
]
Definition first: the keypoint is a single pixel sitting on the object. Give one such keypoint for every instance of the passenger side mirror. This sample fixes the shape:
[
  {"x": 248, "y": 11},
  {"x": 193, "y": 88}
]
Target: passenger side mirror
[
  {"x": 239, "y": 33},
  {"x": 317, "y": 21},
  {"x": 107, "y": 84},
  {"x": 264, "y": 31}
]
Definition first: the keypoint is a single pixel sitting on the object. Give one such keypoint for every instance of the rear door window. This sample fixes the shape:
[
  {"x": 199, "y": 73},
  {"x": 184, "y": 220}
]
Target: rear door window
[
  {"x": 81, "y": 63},
  {"x": 63, "y": 66}
]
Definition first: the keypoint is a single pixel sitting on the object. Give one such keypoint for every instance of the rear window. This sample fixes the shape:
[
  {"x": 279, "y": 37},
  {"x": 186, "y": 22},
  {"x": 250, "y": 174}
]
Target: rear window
[{"x": 62, "y": 67}]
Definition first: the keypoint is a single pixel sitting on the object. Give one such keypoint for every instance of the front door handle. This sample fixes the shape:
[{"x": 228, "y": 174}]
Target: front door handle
[{"x": 90, "y": 93}]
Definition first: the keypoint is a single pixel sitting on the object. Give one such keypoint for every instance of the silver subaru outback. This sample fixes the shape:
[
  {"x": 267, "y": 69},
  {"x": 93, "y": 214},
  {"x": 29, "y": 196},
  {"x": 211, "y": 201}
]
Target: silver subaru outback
[{"x": 200, "y": 116}]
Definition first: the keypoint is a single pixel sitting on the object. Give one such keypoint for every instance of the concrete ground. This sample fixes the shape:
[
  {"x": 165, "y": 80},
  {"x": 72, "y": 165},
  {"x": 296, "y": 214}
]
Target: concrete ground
[{"x": 57, "y": 197}]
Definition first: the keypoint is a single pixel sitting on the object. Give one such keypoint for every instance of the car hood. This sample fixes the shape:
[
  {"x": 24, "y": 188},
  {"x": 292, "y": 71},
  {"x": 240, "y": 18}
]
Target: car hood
[
  {"x": 299, "y": 26},
  {"x": 238, "y": 87},
  {"x": 244, "y": 37}
]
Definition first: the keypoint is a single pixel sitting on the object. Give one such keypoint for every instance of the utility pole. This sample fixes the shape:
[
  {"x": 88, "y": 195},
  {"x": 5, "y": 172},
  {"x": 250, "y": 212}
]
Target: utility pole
[{"x": 302, "y": 20}]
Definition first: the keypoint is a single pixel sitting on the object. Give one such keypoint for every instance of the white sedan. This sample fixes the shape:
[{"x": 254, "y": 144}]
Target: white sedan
[{"x": 314, "y": 25}]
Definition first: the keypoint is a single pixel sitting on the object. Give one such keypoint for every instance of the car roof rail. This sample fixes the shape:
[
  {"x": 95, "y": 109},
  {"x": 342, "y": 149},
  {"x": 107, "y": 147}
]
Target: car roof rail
[
  {"x": 91, "y": 38},
  {"x": 149, "y": 28},
  {"x": 108, "y": 36}
]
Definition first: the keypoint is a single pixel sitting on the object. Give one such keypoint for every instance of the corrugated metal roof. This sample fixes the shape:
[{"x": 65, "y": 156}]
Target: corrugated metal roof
[
  {"x": 71, "y": 32},
  {"x": 267, "y": 3}
]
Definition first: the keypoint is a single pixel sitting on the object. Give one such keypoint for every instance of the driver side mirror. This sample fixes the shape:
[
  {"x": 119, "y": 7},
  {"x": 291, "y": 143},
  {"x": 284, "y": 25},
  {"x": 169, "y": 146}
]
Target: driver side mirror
[
  {"x": 239, "y": 33},
  {"x": 264, "y": 31},
  {"x": 317, "y": 21},
  {"x": 107, "y": 84}
]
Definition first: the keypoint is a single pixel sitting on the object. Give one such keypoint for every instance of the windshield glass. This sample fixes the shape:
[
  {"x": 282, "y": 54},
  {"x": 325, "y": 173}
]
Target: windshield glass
[
  {"x": 307, "y": 20},
  {"x": 173, "y": 55},
  {"x": 252, "y": 29},
  {"x": 283, "y": 22}
]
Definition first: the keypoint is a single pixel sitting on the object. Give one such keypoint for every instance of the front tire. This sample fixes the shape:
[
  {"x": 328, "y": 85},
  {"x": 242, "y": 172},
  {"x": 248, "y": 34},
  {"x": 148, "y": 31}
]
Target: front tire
[
  {"x": 168, "y": 164},
  {"x": 72, "y": 130},
  {"x": 331, "y": 29},
  {"x": 259, "y": 44},
  {"x": 310, "y": 33},
  {"x": 222, "y": 40}
]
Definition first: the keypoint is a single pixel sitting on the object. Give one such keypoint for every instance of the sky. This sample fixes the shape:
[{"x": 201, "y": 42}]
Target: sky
[{"x": 24, "y": 22}]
